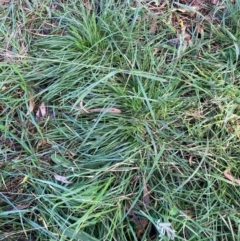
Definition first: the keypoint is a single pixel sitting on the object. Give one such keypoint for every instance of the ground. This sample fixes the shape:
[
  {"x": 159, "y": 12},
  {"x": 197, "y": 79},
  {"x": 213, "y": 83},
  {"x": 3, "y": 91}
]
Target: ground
[{"x": 119, "y": 120}]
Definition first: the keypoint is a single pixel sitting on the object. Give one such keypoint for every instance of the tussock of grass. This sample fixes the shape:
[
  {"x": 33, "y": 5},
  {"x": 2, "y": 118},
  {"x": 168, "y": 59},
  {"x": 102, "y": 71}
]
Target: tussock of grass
[{"x": 177, "y": 132}]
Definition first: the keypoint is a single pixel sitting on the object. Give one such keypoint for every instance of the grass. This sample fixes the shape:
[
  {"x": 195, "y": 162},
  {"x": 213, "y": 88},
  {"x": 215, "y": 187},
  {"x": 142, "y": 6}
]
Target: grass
[{"x": 155, "y": 169}]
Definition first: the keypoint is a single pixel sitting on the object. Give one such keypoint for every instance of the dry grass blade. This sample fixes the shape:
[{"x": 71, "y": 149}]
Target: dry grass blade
[
  {"x": 231, "y": 177},
  {"x": 99, "y": 110}
]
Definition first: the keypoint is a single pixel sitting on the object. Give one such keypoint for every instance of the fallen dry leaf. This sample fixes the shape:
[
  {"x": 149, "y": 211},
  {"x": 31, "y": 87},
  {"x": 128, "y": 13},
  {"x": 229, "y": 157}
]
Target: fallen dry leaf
[
  {"x": 197, "y": 3},
  {"x": 214, "y": 2},
  {"x": 42, "y": 111},
  {"x": 31, "y": 106},
  {"x": 230, "y": 177},
  {"x": 141, "y": 227},
  {"x": 141, "y": 223},
  {"x": 157, "y": 7},
  {"x": 23, "y": 49},
  {"x": 62, "y": 179},
  {"x": 131, "y": 213},
  {"x": 146, "y": 198},
  {"x": 156, "y": 50},
  {"x": 153, "y": 27},
  {"x": 25, "y": 179},
  {"x": 9, "y": 56},
  {"x": 4, "y": 1},
  {"x": 23, "y": 206},
  {"x": 42, "y": 143},
  {"x": 4, "y": 88},
  {"x": 184, "y": 39}
]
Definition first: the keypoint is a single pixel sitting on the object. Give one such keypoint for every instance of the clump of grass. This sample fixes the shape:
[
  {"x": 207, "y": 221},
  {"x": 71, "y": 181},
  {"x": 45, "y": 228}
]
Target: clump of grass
[{"x": 177, "y": 132}]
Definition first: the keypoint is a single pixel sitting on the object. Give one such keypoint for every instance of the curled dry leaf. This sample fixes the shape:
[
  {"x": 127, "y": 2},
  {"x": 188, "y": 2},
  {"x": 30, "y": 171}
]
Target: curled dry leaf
[
  {"x": 230, "y": 177},
  {"x": 25, "y": 179},
  {"x": 62, "y": 179},
  {"x": 41, "y": 112},
  {"x": 4, "y": 88},
  {"x": 31, "y": 106},
  {"x": 141, "y": 223},
  {"x": 156, "y": 50}
]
